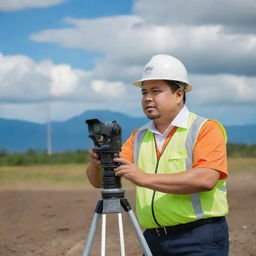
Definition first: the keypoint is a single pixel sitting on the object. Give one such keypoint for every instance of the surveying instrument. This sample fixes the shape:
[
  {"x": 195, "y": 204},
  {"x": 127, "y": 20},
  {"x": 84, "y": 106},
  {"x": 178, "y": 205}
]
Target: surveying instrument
[{"x": 107, "y": 138}]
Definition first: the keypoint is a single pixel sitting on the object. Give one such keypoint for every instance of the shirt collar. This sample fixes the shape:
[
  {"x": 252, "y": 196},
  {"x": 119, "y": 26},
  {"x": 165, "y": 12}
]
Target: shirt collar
[{"x": 181, "y": 120}]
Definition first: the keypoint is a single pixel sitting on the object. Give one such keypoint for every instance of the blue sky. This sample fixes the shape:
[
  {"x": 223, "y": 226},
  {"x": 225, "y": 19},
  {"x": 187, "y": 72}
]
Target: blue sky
[
  {"x": 18, "y": 25},
  {"x": 83, "y": 55}
]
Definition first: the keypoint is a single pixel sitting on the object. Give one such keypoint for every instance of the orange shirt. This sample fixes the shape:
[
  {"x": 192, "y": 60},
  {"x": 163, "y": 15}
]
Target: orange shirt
[{"x": 209, "y": 150}]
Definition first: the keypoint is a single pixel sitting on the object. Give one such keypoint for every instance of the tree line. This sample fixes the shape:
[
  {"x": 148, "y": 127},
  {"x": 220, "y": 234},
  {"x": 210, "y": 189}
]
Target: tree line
[
  {"x": 241, "y": 150},
  {"x": 34, "y": 157}
]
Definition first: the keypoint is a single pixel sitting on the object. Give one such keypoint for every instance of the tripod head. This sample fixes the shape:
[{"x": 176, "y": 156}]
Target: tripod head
[{"x": 107, "y": 139}]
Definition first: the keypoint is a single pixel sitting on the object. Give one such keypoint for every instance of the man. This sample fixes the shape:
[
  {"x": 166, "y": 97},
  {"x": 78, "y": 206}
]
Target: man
[{"x": 178, "y": 162}]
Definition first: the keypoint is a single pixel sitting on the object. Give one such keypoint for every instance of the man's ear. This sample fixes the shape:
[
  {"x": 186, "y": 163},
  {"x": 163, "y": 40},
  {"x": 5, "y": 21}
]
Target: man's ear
[{"x": 180, "y": 93}]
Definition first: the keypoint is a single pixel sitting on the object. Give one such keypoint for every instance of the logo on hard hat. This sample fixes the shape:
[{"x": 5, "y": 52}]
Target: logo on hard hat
[{"x": 148, "y": 70}]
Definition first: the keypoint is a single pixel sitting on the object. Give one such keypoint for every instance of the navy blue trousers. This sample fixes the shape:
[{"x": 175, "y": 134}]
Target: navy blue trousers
[{"x": 210, "y": 239}]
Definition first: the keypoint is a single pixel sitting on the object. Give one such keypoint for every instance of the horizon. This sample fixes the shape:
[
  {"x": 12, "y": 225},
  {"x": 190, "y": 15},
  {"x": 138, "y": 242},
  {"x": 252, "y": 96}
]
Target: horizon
[{"x": 104, "y": 110}]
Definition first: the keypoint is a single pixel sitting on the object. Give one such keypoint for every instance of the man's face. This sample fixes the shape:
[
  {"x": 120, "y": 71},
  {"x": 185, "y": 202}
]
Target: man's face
[{"x": 158, "y": 101}]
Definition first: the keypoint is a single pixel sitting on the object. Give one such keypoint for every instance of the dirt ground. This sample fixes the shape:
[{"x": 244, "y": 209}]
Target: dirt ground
[{"x": 55, "y": 222}]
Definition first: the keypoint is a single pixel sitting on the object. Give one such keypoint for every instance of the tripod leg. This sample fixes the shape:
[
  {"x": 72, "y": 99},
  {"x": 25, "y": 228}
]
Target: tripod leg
[
  {"x": 139, "y": 233},
  {"x": 103, "y": 235},
  {"x": 91, "y": 234},
  {"x": 121, "y": 234},
  {"x": 93, "y": 228}
]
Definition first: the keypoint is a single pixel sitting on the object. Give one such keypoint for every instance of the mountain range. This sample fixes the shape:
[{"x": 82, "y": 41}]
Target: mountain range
[{"x": 72, "y": 134}]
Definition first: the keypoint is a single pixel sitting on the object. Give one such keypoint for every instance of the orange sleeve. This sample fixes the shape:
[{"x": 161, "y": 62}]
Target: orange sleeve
[
  {"x": 127, "y": 148},
  {"x": 210, "y": 149}
]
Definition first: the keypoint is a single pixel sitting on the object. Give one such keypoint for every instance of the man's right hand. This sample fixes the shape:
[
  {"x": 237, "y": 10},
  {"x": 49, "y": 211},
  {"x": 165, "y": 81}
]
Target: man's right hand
[
  {"x": 94, "y": 170},
  {"x": 94, "y": 159}
]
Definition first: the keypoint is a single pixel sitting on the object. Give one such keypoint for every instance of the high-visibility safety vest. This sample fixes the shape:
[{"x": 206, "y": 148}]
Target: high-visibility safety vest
[{"x": 156, "y": 209}]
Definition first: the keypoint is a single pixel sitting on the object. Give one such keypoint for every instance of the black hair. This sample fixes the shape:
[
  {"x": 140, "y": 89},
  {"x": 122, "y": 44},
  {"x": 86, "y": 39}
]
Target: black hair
[{"x": 174, "y": 86}]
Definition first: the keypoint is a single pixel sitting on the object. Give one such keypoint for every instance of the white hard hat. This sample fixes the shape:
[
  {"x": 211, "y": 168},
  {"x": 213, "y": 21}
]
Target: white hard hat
[{"x": 165, "y": 67}]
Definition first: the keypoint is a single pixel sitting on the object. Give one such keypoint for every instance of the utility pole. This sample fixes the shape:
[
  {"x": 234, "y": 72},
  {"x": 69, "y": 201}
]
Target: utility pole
[{"x": 49, "y": 128}]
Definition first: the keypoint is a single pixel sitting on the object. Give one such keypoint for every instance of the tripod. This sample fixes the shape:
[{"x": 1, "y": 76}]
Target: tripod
[{"x": 112, "y": 202}]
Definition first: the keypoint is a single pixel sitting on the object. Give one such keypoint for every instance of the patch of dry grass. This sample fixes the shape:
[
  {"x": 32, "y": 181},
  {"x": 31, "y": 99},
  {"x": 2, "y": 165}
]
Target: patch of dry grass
[
  {"x": 72, "y": 176},
  {"x": 66, "y": 176},
  {"x": 43, "y": 176},
  {"x": 242, "y": 165}
]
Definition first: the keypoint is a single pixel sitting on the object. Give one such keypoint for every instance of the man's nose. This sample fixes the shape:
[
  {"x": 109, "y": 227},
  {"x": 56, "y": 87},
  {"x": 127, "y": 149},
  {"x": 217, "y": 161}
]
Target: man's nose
[
  {"x": 148, "y": 97},
  {"x": 148, "y": 100}
]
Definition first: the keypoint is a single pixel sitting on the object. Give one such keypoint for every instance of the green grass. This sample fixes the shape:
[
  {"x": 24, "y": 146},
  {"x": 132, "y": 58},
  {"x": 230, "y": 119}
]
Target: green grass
[
  {"x": 43, "y": 175},
  {"x": 73, "y": 175}
]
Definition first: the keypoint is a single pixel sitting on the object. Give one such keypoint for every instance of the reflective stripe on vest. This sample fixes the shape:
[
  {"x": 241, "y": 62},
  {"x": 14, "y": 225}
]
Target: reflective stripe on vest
[
  {"x": 137, "y": 142},
  {"x": 190, "y": 143}
]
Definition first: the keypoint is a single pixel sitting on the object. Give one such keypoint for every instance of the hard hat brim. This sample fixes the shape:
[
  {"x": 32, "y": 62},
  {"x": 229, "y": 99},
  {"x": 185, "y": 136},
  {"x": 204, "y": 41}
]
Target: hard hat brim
[{"x": 187, "y": 86}]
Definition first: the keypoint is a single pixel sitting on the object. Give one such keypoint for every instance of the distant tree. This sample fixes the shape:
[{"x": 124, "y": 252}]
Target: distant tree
[{"x": 3, "y": 152}]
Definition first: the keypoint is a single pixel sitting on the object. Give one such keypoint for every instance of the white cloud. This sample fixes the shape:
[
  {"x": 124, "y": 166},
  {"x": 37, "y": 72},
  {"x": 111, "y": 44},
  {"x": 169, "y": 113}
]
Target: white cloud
[
  {"x": 15, "y": 5},
  {"x": 112, "y": 89},
  {"x": 63, "y": 80},
  {"x": 26, "y": 86},
  {"x": 230, "y": 99},
  {"x": 128, "y": 41},
  {"x": 223, "y": 89},
  {"x": 231, "y": 13},
  {"x": 100, "y": 34},
  {"x": 22, "y": 79}
]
